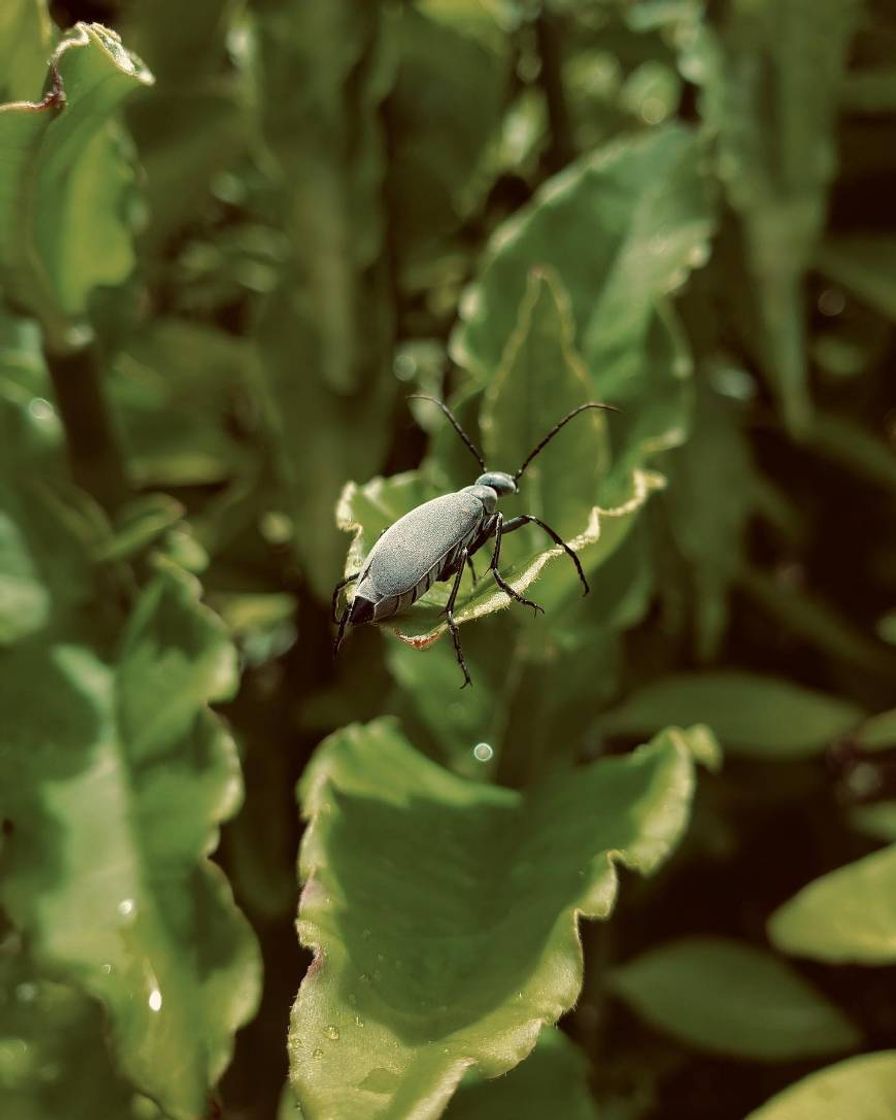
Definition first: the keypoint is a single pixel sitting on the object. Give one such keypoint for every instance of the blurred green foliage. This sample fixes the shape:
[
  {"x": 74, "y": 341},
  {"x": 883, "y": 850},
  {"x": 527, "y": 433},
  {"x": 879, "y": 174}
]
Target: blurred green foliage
[{"x": 235, "y": 235}]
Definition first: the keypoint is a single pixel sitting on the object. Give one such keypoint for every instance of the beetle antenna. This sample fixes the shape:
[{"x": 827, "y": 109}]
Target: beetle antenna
[
  {"x": 454, "y": 424},
  {"x": 556, "y": 428}
]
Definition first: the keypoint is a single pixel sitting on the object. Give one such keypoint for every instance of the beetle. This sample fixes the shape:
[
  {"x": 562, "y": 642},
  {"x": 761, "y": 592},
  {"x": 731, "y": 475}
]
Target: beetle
[{"x": 437, "y": 539}]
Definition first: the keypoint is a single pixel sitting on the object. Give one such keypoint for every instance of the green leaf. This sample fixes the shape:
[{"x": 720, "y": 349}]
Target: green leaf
[
  {"x": 862, "y": 1088},
  {"x": 64, "y": 182},
  {"x": 865, "y": 265},
  {"x": 540, "y": 380},
  {"x": 26, "y": 42},
  {"x": 53, "y": 1057},
  {"x": 762, "y": 717},
  {"x": 642, "y": 207},
  {"x": 433, "y": 958},
  {"x": 552, "y": 1081},
  {"x": 771, "y": 85},
  {"x": 115, "y": 779},
  {"x": 44, "y": 576},
  {"x": 730, "y": 998},
  {"x": 846, "y": 916}
]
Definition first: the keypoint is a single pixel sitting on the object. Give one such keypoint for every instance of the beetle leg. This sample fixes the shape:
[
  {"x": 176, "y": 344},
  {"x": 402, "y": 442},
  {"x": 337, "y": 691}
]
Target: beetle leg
[
  {"x": 528, "y": 519},
  {"x": 339, "y": 586},
  {"x": 500, "y": 528},
  {"x": 452, "y": 625},
  {"x": 343, "y": 622},
  {"x": 470, "y": 566}
]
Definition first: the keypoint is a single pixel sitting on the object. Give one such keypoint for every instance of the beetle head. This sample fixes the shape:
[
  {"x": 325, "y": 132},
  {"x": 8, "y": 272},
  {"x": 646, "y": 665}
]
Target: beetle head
[{"x": 500, "y": 482}]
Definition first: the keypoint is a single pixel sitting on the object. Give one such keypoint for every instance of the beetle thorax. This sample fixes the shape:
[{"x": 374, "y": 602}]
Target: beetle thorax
[{"x": 498, "y": 481}]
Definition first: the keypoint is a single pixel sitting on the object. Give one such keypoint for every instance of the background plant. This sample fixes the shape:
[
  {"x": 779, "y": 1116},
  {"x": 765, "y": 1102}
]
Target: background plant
[{"x": 234, "y": 236}]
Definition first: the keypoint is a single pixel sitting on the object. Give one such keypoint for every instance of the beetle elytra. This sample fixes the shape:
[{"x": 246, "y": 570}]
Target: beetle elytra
[{"x": 437, "y": 539}]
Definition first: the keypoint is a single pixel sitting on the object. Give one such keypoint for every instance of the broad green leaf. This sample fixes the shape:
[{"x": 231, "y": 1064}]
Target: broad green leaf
[
  {"x": 434, "y": 958},
  {"x": 730, "y": 998},
  {"x": 539, "y": 381},
  {"x": 771, "y": 84},
  {"x": 862, "y": 1088},
  {"x": 642, "y": 208},
  {"x": 64, "y": 182},
  {"x": 326, "y": 333},
  {"x": 26, "y": 43},
  {"x": 865, "y": 265},
  {"x": 552, "y": 1081},
  {"x": 115, "y": 779},
  {"x": 752, "y": 715},
  {"x": 846, "y": 916},
  {"x": 53, "y": 1057}
]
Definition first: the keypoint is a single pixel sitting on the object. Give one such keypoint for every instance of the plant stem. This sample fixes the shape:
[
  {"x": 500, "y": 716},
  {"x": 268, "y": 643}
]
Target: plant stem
[
  {"x": 560, "y": 150},
  {"x": 94, "y": 452}
]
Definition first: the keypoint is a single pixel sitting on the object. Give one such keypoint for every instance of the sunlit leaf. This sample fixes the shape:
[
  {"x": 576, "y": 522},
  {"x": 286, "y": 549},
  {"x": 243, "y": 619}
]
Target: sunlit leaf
[
  {"x": 642, "y": 207},
  {"x": 731, "y": 998},
  {"x": 862, "y": 1088},
  {"x": 115, "y": 780},
  {"x": 64, "y": 182},
  {"x": 848, "y": 915},
  {"x": 430, "y": 959}
]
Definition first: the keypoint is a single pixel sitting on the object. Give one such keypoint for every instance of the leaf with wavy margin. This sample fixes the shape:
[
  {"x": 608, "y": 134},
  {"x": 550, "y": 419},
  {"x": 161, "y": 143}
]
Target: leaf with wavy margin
[{"x": 434, "y": 959}]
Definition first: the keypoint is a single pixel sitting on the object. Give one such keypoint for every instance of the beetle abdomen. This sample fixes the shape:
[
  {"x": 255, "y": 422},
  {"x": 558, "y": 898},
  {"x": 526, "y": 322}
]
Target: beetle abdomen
[{"x": 419, "y": 549}]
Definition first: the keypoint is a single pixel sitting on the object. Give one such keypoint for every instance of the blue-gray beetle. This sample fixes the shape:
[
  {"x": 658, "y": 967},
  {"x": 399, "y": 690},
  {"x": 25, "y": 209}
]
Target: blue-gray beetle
[{"x": 434, "y": 541}]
